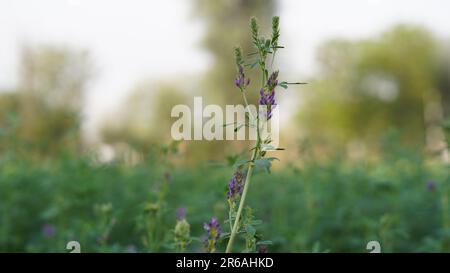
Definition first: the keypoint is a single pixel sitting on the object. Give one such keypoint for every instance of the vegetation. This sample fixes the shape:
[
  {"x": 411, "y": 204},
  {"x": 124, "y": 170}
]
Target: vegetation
[
  {"x": 367, "y": 156},
  {"x": 401, "y": 201}
]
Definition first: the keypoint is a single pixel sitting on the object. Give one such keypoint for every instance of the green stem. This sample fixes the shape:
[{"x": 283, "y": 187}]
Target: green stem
[
  {"x": 235, "y": 229},
  {"x": 241, "y": 203},
  {"x": 248, "y": 178},
  {"x": 247, "y": 105},
  {"x": 229, "y": 216}
]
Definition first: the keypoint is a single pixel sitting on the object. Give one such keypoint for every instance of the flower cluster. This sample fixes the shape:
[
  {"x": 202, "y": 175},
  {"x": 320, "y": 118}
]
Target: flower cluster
[
  {"x": 235, "y": 186},
  {"x": 267, "y": 98},
  {"x": 431, "y": 185},
  {"x": 214, "y": 231},
  {"x": 241, "y": 82},
  {"x": 182, "y": 231},
  {"x": 48, "y": 230},
  {"x": 272, "y": 82},
  {"x": 181, "y": 213}
]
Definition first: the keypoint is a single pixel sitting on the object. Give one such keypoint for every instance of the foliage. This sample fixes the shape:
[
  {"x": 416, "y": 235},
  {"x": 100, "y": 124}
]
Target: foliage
[
  {"x": 331, "y": 206},
  {"x": 367, "y": 86},
  {"x": 42, "y": 117}
]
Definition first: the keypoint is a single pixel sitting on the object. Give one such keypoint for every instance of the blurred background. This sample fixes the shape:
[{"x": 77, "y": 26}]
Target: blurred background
[{"x": 86, "y": 90}]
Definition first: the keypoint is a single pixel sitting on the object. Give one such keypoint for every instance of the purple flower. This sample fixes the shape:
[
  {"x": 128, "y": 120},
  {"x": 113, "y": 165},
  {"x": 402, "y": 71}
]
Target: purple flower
[
  {"x": 167, "y": 177},
  {"x": 238, "y": 82},
  {"x": 241, "y": 82},
  {"x": 262, "y": 249},
  {"x": 268, "y": 100},
  {"x": 267, "y": 97},
  {"x": 272, "y": 81},
  {"x": 236, "y": 185},
  {"x": 48, "y": 230},
  {"x": 214, "y": 231},
  {"x": 431, "y": 186},
  {"x": 102, "y": 238},
  {"x": 181, "y": 213},
  {"x": 213, "y": 228},
  {"x": 131, "y": 249}
]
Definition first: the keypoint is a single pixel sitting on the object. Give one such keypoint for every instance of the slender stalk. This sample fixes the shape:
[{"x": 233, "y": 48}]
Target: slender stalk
[
  {"x": 248, "y": 178},
  {"x": 241, "y": 203},
  {"x": 247, "y": 105},
  {"x": 230, "y": 219}
]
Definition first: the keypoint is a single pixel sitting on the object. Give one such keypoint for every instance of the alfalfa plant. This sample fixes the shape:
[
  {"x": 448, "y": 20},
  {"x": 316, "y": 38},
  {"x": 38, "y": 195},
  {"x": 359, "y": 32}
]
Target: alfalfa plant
[{"x": 240, "y": 218}]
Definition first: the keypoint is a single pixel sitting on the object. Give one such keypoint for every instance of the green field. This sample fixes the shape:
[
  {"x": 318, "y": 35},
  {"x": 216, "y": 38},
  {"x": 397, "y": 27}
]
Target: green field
[{"x": 401, "y": 201}]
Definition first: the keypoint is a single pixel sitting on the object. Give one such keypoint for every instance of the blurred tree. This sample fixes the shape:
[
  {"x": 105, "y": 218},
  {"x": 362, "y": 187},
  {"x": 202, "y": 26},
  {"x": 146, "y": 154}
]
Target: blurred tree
[
  {"x": 366, "y": 87},
  {"x": 444, "y": 78},
  {"x": 227, "y": 26},
  {"x": 48, "y": 101},
  {"x": 144, "y": 122},
  {"x": 8, "y": 113}
]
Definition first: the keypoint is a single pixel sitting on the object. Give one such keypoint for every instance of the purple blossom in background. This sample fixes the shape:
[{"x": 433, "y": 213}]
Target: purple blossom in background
[
  {"x": 213, "y": 228},
  {"x": 431, "y": 186},
  {"x": 241, "y": 82},
  {"x": 262, "y": 249},
  {"x": 102, "y": 238},
  {"x": 181, "y": 213},
  {"x": 167, "y": 177},
  {"x": 131, "y": 249},
  {"x": 236, "y": 185},
  {"x": 48, "y": 230},
  {"x": 214, "y": 231}
]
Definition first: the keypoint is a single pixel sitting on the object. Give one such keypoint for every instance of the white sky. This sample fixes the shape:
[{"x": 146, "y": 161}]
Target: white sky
[{"x": 136, "y": 39}]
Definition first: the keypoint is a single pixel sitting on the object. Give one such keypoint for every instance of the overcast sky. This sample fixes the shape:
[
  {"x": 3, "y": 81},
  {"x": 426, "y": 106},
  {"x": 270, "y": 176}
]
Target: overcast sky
[{"x": 126, "y": 38}]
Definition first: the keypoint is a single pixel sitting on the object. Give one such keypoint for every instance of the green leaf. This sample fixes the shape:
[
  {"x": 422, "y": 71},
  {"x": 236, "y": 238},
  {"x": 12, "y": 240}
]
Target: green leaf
[
  {"x": 251, "y": 231},
  {"x": 264, "y": 243},
  {"x": 231, "y": 159},
  {"x": 239, "y": 163},
  {"x": 253, "y": 64},
  {"x": 256, "y": 222},
  {"x": 265, "y": 163},
  {"x": 267, "y": 148},
  {"x": 283, "y": 84},
  {"x": 196, "y": 239}
]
